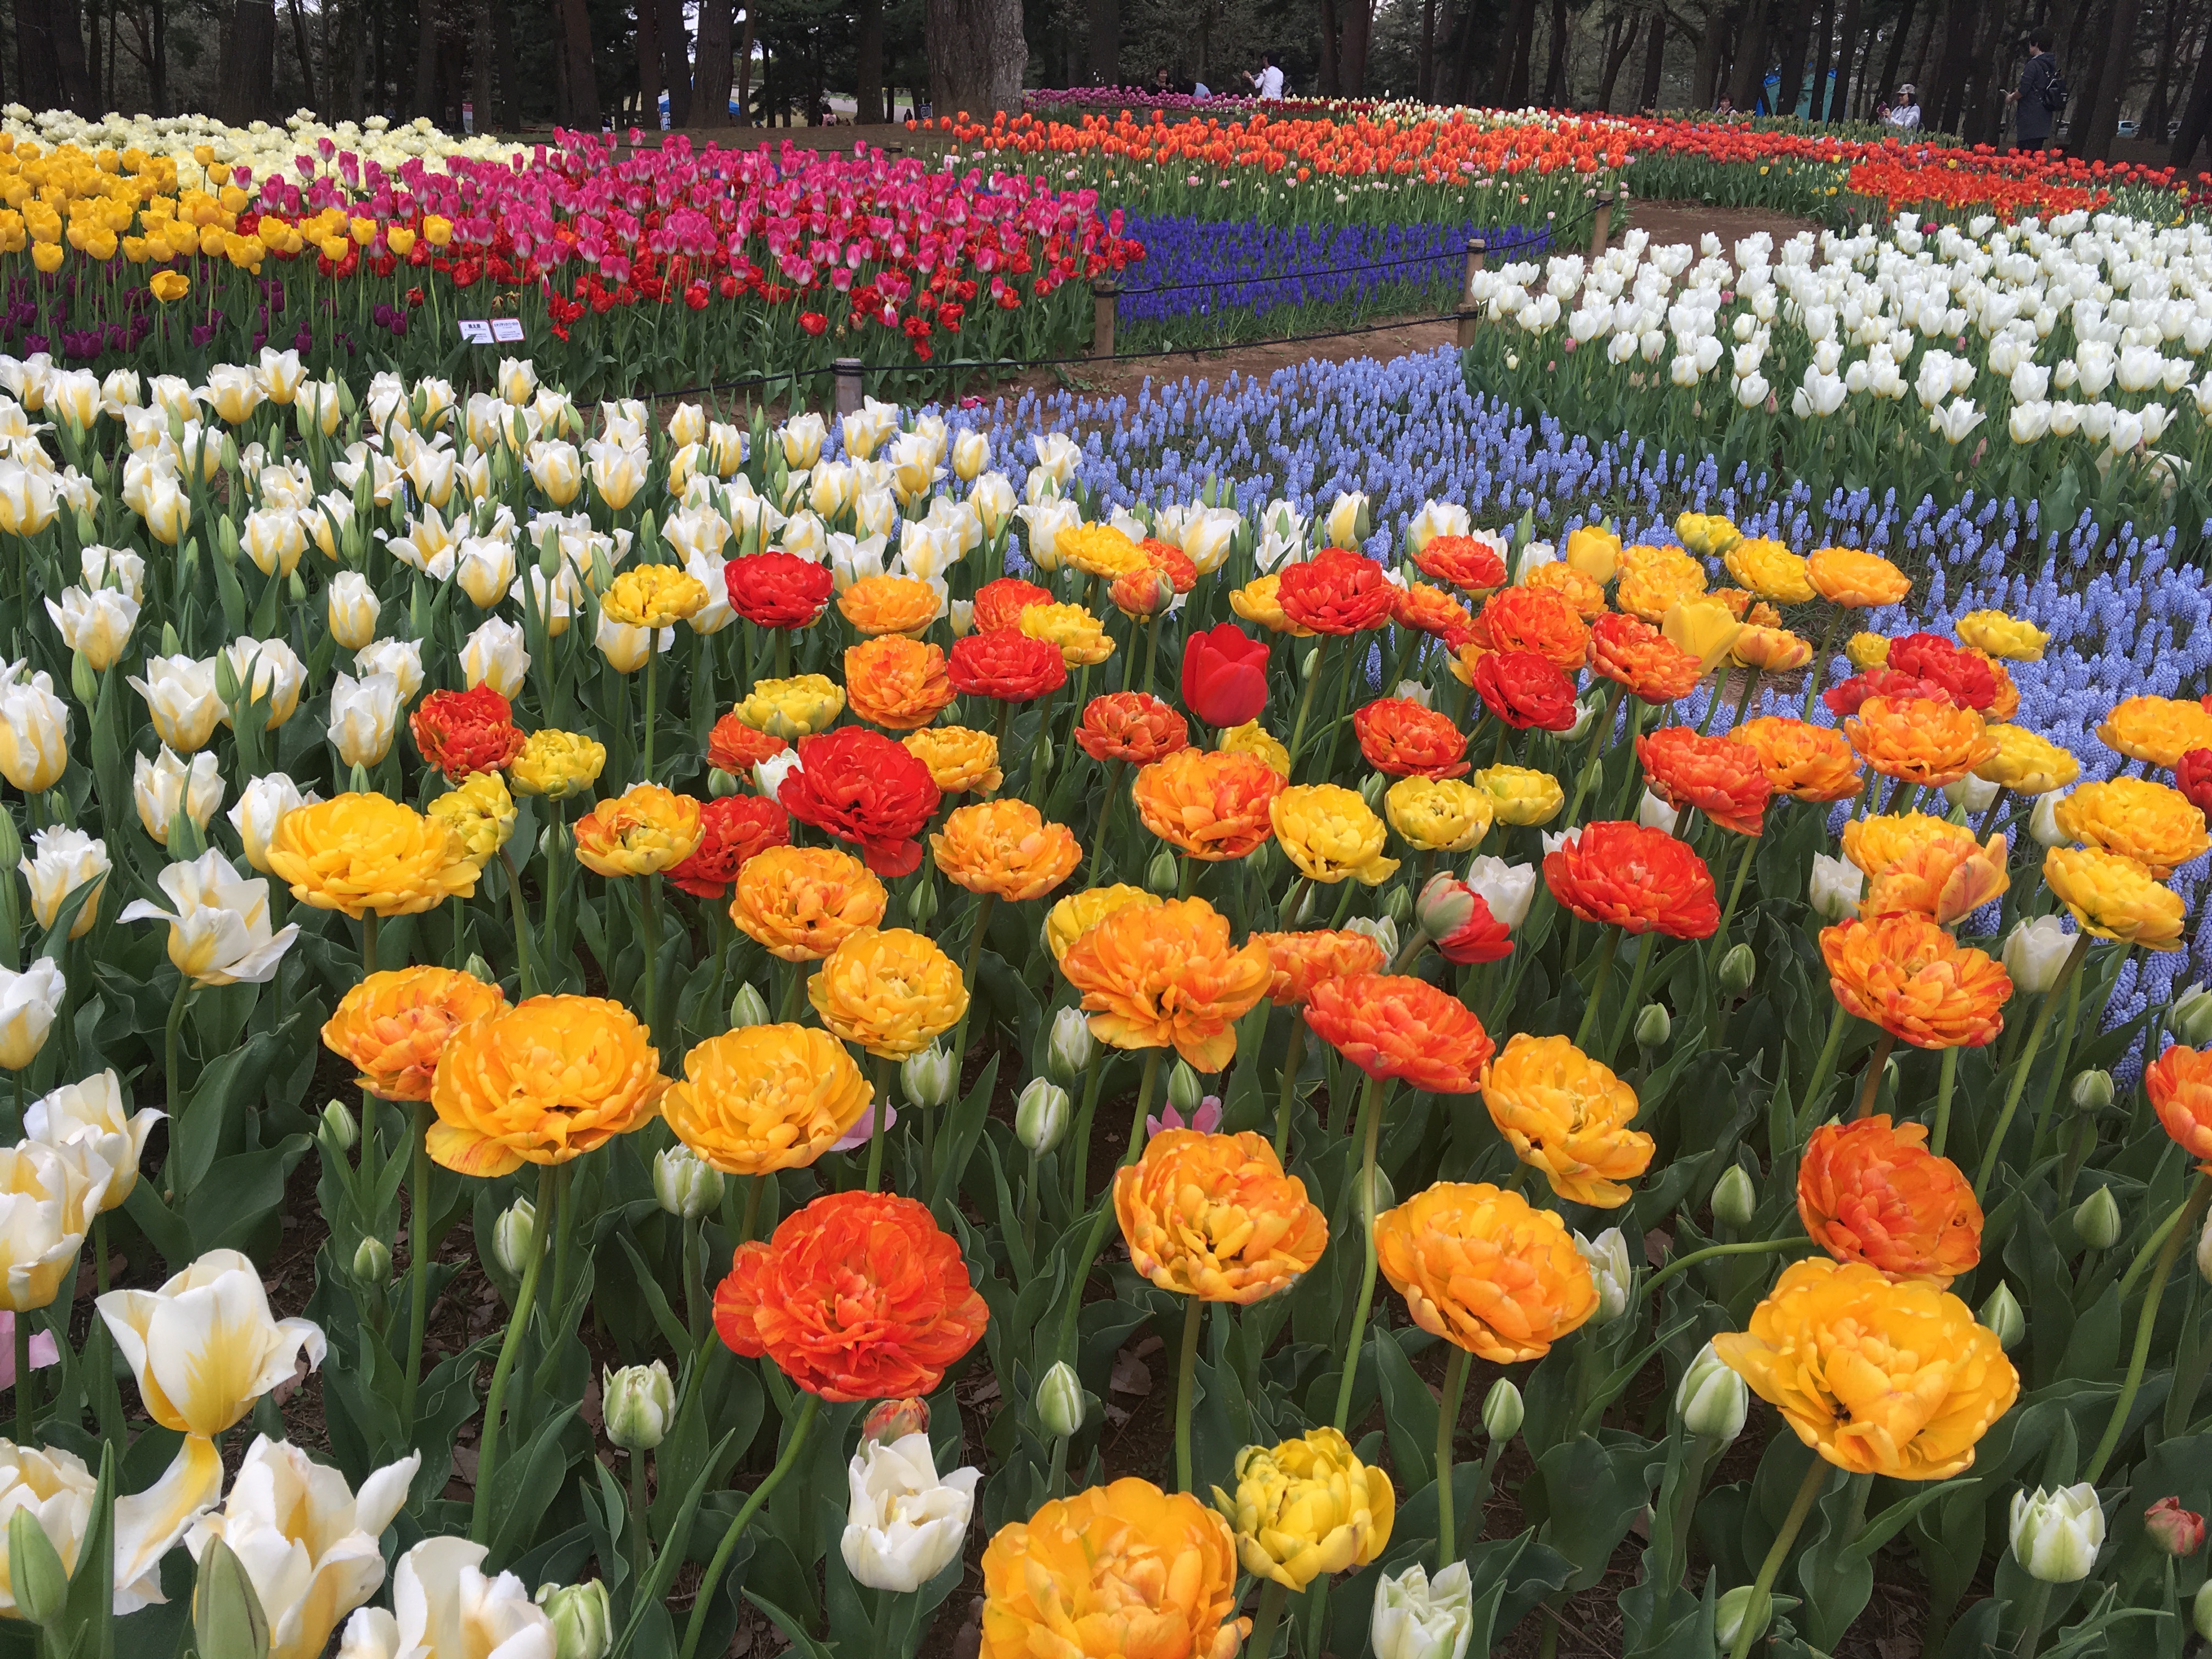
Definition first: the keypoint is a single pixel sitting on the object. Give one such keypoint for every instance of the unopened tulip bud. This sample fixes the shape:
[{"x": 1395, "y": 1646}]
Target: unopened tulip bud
[
  {"x": 2035, "y": 952},
  {"x": 721, "y": 785},
  {"x": 583, "y": 1621},
  {"x": 1585, "y": 712},
  {"x": 748, "y": 1007},
  {"x": 1733, "y": 1611},
  {"x": 1608, "y": 1255},
  {"x": 2097, "y": 1220},
  {"x": 514, "y": 1237},
  {"x": 921, "y": 904},
  {"x": 893, "y": 1420},
  {"x": 1060, "y": 1404},
  {"x": 1837, "y": 886},
  {"x": 1308, "y": 663},
  {"x": 2055, "y": 1533},
  {"x": 372, "y": 1261},
  {"x": 1071, "y": 1047},
  {"x": 638, "y": 1402},
  {"x": 1736, "y": 1200},
  {"x": 1397, "y": 903},
  {"x": 1969, "y": 791},
  {"x": 1381, "y": 929},
  {"x": 1371, "y": 791},
  {"x": 1041, "y": 1115},
  {"x": 1161, "y": 875},
  {"x": 41, "y": 1582},
  {"x": 2199, "y": 1611},
  {"x": 339, "y": 1129},
  {"x": 2092, "y": 1091},
  {"x": 2002, "y": 1317},
  {"x": 2190, "y": 1019},
  {"x": 926, "y": 1078},
  {"x": 2043, "y": 822},
  {"x": 2177, "y": 1531},
  {"x": 1737, "y": 967},
  {"x": 1713, "y": 1400},
  {"x": 1653, "y": 1026},
  {"x": 1501, "y": 1410},
  {"x": 1185, "y": 1089},
  {"x": 684, "y": 1184}
]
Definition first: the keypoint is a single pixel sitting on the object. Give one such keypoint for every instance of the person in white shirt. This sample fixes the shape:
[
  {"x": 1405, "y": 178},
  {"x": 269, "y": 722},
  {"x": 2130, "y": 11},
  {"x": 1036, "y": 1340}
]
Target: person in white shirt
[
  {"x": 1269, "y": 79},
  {"x": 1905, "y": 112}
]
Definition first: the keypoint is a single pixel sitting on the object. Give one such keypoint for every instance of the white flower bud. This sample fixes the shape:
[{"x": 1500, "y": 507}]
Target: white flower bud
[
  {"x": 1041, "y": 1115},
  {"x": 1059, "y": 1403},
  {"x": 1713, "y": 1400},
  {"x": 2035, "y": 952},
  {"x": 1837, "y": 886},
  {"x": 2056, "y": 1536},
  {"x": 1736, "y": 1200},
  {"x": 1071, "y": 1047},
  {"x": 1608, "y": 1255},
  {"x": 684, "y": 1183},
  {"x": 2002, "y": 1317},
  {"x": 925, "y": 1077},
  {"x": 2092, "y": 1091},
  {"x": 372, "y": 1261},
  {"x": 514, "y": 1237},
  {"x": 639, "y": 1403},
  {"x": 1731, "y": 1612},
  {"x": 1501, "y": 1410},
  {"x": 1653, "y": 1026},
  {"x": 2190, "y": 1019}
]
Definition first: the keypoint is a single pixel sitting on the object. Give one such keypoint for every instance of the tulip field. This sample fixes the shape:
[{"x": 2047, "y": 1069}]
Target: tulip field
[{"x": 1545, "y": 1000}]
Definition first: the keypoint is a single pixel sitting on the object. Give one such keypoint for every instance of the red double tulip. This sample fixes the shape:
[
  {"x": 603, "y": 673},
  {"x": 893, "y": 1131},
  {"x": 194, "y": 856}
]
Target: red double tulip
[
  {"x": 2192, "y": 775},
  {"x": 777, "y": 589},
  {"x": 1524, "y": 689},
  {"x": 862, "y": 786},
  {"x": 1224, "y": 675},
  {"x": 1006, "y": 664},
  {"x": 1968, "y": 678},
  {"x": 1843, "y": 699},
  {"x": 999, "y": 604},
  {"x": 463, "y": 732},
  {"x": 1336, "y": 593},
  {"x": 730, "y": 830}
]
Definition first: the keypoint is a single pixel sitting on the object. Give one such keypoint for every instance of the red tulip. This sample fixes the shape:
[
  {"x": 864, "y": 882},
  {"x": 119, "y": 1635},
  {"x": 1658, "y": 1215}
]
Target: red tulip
[{"x": 1224, "y": 675}]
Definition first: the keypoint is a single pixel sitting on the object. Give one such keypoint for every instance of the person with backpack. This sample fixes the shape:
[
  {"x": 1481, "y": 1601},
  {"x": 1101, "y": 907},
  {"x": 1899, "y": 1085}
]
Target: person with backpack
[{"x": 2041, "y": 96}]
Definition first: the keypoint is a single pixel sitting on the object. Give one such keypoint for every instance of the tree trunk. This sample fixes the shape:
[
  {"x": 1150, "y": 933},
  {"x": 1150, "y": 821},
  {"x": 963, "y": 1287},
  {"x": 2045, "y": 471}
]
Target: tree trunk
[
  {"x": 976, "y": 56},
  {"x": 2154, "y": 118},
  {"x": 1555, "y": 65},
  {"x": 76, "y": 89},
  {"x": 710, "y": 75},
  {"x": 1847, "y": 48},
  {"x": 1939, "y": 108},
  {"x": 1513, "y": 59},
  {"x": 426, "y": 58},
  {"x": 248, "y": 65},
  {"x": 483, "y": 88},
  {"x": 1105, "y": 42},
  {"x": 1921, "y": 58},
  {"x": 1655, "y": 57},
  {"x": 2197, "y": 112},
  {"x": 868, "y": 65},
  {"x": 1749, "y": 82},
  {"x": 1893, "y": 64},
  {"x": 648, "y": 64},
  {"x": 38, "y": 76},
  {"x": 1357, "y": 20},
  {"x": 1705, "y": 82},
  {"x": 675, "y": 60},
  {"x": 574, "y": 21},
  {"x": 1459, "y": 88},
  {"x": 2112, "y": 82},
  {"x": 306, "y": 53},
  {"x": 1616, "y": 55},
  {"x": 1823, "y": 61},
  {"x": 1330, "y": 81},
  {"x": 1795, "y": 28},
  {"x": 1424, "y": 79},
  {"x": 744, "y": 71},
  {"x": 2096, "y": 20},
  {"x": 92, "y": 60}
]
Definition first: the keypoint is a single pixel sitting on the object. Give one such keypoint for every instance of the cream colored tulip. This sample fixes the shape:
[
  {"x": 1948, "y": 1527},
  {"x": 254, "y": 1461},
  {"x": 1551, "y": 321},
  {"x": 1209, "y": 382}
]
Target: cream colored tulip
[
  {"x": 444, "y": 1606},
  {"x": 327, "y": 522},
  {"x": 518, "y": 380},
  {"x": 994, "y": 502},
  {"x": 625, "y": 648},
  {"x": 803, "y": 537},
  {"x": 28, "y": 1003},
  {"x": 47, "y": 1200},
  {"x": 352, "y": 606},
  {"x": 971, "y": 454},
  {"x": 831, "y": 487},
  {"x": 802, "y": 437},
  {"x": 726, "y": 448},
  {"x": 320, "y": 402},
  {"x": 58, "y": 1490},
  {"x": 28, "y": 499},
  {"x": 428, "y": 545},
  {"x": 233, "y": 391},
  {"x": 431, "y": 469},
  {"x": 204, "y": 1346},
  {"x": 484, "y": 569},
  {"x": 267, "y": 670},
  {"x": 96, "y": 623},
  {"x": 34, "y": 730},
  {"x": 617, "y": 471},
  {"x": 73, "y": 398},
  {"x": 693, "y": 531},
  {"x": 556, "y": 600},
  {"x": 494, "y": 656},
  {"x": 866, "y": 427},
  {"x": 112, "y": 567},
  {"x": 402, "y": 660},
  {"x": 167, "y": 785},
  {"x": 121, "y": 390},
  {"x": 554, "y": 467},
  {"x": 261, "y": 804},
  {"x": 715, "y": 614},
  {"x": 281, "y": 375},
  {"x": 687, "y": 424},
  {"x": 63, "y": 861},
  {"x": 364, "y": 716},
  {"x": 180, "y": 697},
  {"x": 308, "y": 1541},
  {"x": 93, "y": 1115}
]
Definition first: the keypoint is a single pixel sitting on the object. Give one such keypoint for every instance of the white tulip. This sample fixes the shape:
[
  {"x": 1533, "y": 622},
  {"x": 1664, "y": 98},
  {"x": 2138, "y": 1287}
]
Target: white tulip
[
  {"x": 1837, "y": 887},
  {"x": 1507, "y": 889},
  {"x": 494, "y": 656},
  {"x": 93, "y": 1114},
  {"x": 2035, "y": 952},
  {"x": 904, "y": 1525},
  {"x": 1418, "y": 1616},
  {"x": 261, "y": 804},
  {"x": 62, "y": 860},
  {"x": 58, "y": 1490},
  {"x": 219, "y": 932},
  {"x": 444, "y": 1606},
  {"x": 167, "y": 785},
  {"x": 2055, "y": 1533},
  {"x": 180, "y": 697},
  {"x": 96, "y": 621}
]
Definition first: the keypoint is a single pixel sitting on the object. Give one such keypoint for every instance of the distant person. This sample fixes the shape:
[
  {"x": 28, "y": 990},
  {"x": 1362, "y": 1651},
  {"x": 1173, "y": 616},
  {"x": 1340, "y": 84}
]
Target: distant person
[
  {"x": 1268, "y": 83},
  {"x": 1163, "y": 85},
  {"x": 1725, "y": 108},
  {"x": 2039, "y": 96},
  {"x": 1904, "y": 113},
  {"x": 1200, "y": 90}
]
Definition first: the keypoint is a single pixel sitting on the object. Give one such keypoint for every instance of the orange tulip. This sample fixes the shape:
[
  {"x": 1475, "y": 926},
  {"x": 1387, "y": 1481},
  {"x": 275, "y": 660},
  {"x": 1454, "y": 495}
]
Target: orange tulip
[
  {"x": 1907, "y": 976},
  {"x": 1807, "y": 761},
  {"x": 1392, "y": 1026},
  {"x": 1209, "y": 803},
  {"x": 1486, "y": 1270},
  {"x": 1165, "y": 976},
  {"x": 1870, "y": 1193},
  {"x": 2179, "y": 1084},
  {"x": 1919, "y": 739},
  {"x": 1214, "y": 1217},
  {"x": 1301, "y": 961}
]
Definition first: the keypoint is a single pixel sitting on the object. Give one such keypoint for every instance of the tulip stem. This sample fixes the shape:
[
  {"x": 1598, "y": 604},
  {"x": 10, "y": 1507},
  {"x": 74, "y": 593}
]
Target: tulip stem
[
  {"x": 1945, "y": 1079},
  {"x": 1748, "y": 1247},
  {"x": 639, "y": 1549},
  {"x": 1719, "y": 947},
  {"x": 983, "y": 904},
  {"x": 1600, "y": 729},
  {"x": 418, "y": 1248},
  {"x": 517, "y": 1325},
  {"x": 2026, "y": 1061},
  {"x": 1607, "y": 951},
  {"x": 1293, "y": 1056},
  {"x": 648, "y": 918},
  {"x": 1079, "y": 1161},
  {"x": 525, "y": 952},
  {"x": 173, "y": 1071},
  {"x": 1186, "y": 1371},
  {"x": 1755, "y": 1612},
  {"x": 1635, "y": 977},
  {"x": 1097, "y": 1242},
  {"x": 2038, "y": 1609},
  {"x": 1306, "y": 698},
  {"x": 1151, "y": 649},
  {"x": 1820, "y": 662},
  {"x": 1371, "y": 1115},
  {"x": 1869, "y": 1089},
  {"x": 1826, "y": 1065},
  {"x": 885, "y": 1073},
  {"x": 652, "y": 698},
  {"x": 1267, "y": 1613},
  {"x": 697, "y": 1625},
  {"x": 2146, "y": 1321},
  {"x": 1447, "y": 1432}
]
